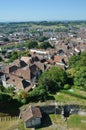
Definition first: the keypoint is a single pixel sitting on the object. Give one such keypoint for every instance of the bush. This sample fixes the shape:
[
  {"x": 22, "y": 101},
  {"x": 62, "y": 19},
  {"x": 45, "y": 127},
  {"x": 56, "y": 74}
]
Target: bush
[
  {"x": 31, "y": 44},
  {"x": 66, "y": 86},
  {"x": 38, "y": 94},
  {"x": 1, "y": 88}
]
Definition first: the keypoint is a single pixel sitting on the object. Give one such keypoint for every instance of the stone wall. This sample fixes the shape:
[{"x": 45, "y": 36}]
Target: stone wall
[{"x": 51, "y": 109}]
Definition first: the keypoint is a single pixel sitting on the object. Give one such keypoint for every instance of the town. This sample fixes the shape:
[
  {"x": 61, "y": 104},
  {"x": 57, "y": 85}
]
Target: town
[
  {"x": 48, "y": 47},
  {"x": 39, "y": 63}
]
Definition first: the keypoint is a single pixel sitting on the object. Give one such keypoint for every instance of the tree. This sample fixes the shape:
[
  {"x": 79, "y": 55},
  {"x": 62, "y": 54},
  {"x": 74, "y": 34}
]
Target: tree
[
  {"x": 31, "y": 44},
  {"x": 80, "y": 78},
  {"x": 42, "y": 39},
  {"x": 38, "y": 94},
  {"x": 77, "y": 69},
  {"x": 73, "y": 61},
  {"x": 22, "y": 96},
  {"x": 45, "y": 45},
  {"x": 1, "y": 88},
  {"x": 66, "y": 86},
  {"x": 13, "y": 56},
  {"x": 77, "y": 61},
  {"x": 4, "y": 98},
  {"x": 9, "y": 90},
  {"x": 53, "y": 80}
]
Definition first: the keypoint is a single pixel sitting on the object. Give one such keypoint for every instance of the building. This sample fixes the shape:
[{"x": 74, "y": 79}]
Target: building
[{"x": 31, "y": 116}]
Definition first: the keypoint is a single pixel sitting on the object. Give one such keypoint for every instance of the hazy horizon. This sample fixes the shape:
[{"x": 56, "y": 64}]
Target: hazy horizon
[{"x": 42, "y": 21}]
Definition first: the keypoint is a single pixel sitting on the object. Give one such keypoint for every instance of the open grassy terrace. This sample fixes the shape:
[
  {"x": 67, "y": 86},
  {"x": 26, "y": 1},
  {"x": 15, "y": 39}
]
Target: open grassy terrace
[
  {"x": 75, "y": 97},
  {"x": 74, "y": 122}
]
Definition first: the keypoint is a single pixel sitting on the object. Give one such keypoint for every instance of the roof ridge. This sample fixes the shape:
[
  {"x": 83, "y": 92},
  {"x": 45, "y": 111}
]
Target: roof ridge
[{"x": 31, "y": 109}]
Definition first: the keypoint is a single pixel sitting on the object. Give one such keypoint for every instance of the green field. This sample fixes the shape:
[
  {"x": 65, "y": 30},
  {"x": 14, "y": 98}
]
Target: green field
[
  {"x": 9, "y": 124},
  {"x": 74, "y": 122},
  {"x": 12, "y": 124},
  {"x": 76, "y": 97},
  {"x": 53, "y": 122}
]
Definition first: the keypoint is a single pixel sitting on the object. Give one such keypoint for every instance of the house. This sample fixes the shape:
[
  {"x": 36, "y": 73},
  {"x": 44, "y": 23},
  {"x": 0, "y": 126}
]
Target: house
[
  {"x": 58, "y": 61},
  {"x": 23, "y": 73},
  {"x": 41, "y": 66},
  {"x": 31, "y": 116},
  {"x": 17, "y": 77},
  {"x": 21, "y": 77},
  {"x": 10, "y": 80},
  {"x": 26, "y": 59},
  {"x": 10, "y": 68}
]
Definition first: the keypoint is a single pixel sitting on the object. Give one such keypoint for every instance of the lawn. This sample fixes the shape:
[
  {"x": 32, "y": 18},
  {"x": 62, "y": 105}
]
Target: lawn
[
  {"x": 13, "y": 124},
  {"x": 76, "y": 97},
  {"x": 74, "y": 122},
  {"x": 8, "y": 125},
  {"x": 63, "y": 98}
]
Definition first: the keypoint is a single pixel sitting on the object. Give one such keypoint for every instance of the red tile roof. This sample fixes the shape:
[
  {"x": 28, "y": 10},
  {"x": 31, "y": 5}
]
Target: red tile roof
[
  {"x": 31, "y": 112},
  {"x": 17, "y": 82},
  {"x": 23, "y": 73}
]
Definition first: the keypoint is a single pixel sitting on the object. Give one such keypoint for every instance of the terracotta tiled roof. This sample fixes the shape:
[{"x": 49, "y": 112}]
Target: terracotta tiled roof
[
  {"x": 40, "y": 65},
  {"x": 50, "y": 61},
  {"x": 10, "y": 68},
  {"x": 31, "y": 112},
  {"x": 33, "y": 69},
  {"x": 27, "y": 60},
  {"x": 27, "y": 89},
  {"x": 23, "y": 73},
  {"x": 57, "y": 58},
  {"x": 17, "y": 82}
]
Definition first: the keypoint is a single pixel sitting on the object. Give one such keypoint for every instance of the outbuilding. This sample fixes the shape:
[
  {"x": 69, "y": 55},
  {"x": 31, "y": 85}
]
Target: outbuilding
[{"x": 31, "y": 116}]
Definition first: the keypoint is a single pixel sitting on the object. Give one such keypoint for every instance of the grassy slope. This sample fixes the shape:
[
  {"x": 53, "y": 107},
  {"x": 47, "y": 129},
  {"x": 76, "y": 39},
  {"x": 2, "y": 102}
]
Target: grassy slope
[
  {"x": 76, "y": 97},
  {"x": 75, "y": 122},
  {"x": 8, "y": 125}
]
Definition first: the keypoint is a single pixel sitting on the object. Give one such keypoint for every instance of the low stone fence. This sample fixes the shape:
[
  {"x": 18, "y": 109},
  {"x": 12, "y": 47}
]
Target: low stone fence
[
  {"x": 51, "y": 109},
  {"x": 48, "y": 109}
]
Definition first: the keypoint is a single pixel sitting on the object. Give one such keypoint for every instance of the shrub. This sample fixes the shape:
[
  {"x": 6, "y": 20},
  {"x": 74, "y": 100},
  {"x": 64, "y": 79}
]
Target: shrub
[{"x": 66, "y": 86}]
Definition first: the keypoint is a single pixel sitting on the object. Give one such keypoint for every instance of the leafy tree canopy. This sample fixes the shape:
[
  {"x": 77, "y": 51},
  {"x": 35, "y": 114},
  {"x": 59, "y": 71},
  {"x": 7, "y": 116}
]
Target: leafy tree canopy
[
  {"x": 38, "y": 94},
  {"x": 77, "y": 69},
  {"x": 42, "y": 39},
  {"x": 53, "y": 80},
  {"x": 80, "y": 78},
  {"x": 31, "y": 44},
  {"x": 45, "y": 45},
  {"x": 77, "y": 61}
]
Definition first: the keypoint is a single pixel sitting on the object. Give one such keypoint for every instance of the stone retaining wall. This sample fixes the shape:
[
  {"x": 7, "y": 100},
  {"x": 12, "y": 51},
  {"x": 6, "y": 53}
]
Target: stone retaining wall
[{"x": 51, "y": 109}]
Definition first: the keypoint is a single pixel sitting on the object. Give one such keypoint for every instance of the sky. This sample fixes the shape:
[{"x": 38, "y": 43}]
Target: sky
[{"x": 40, "y": 10}]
